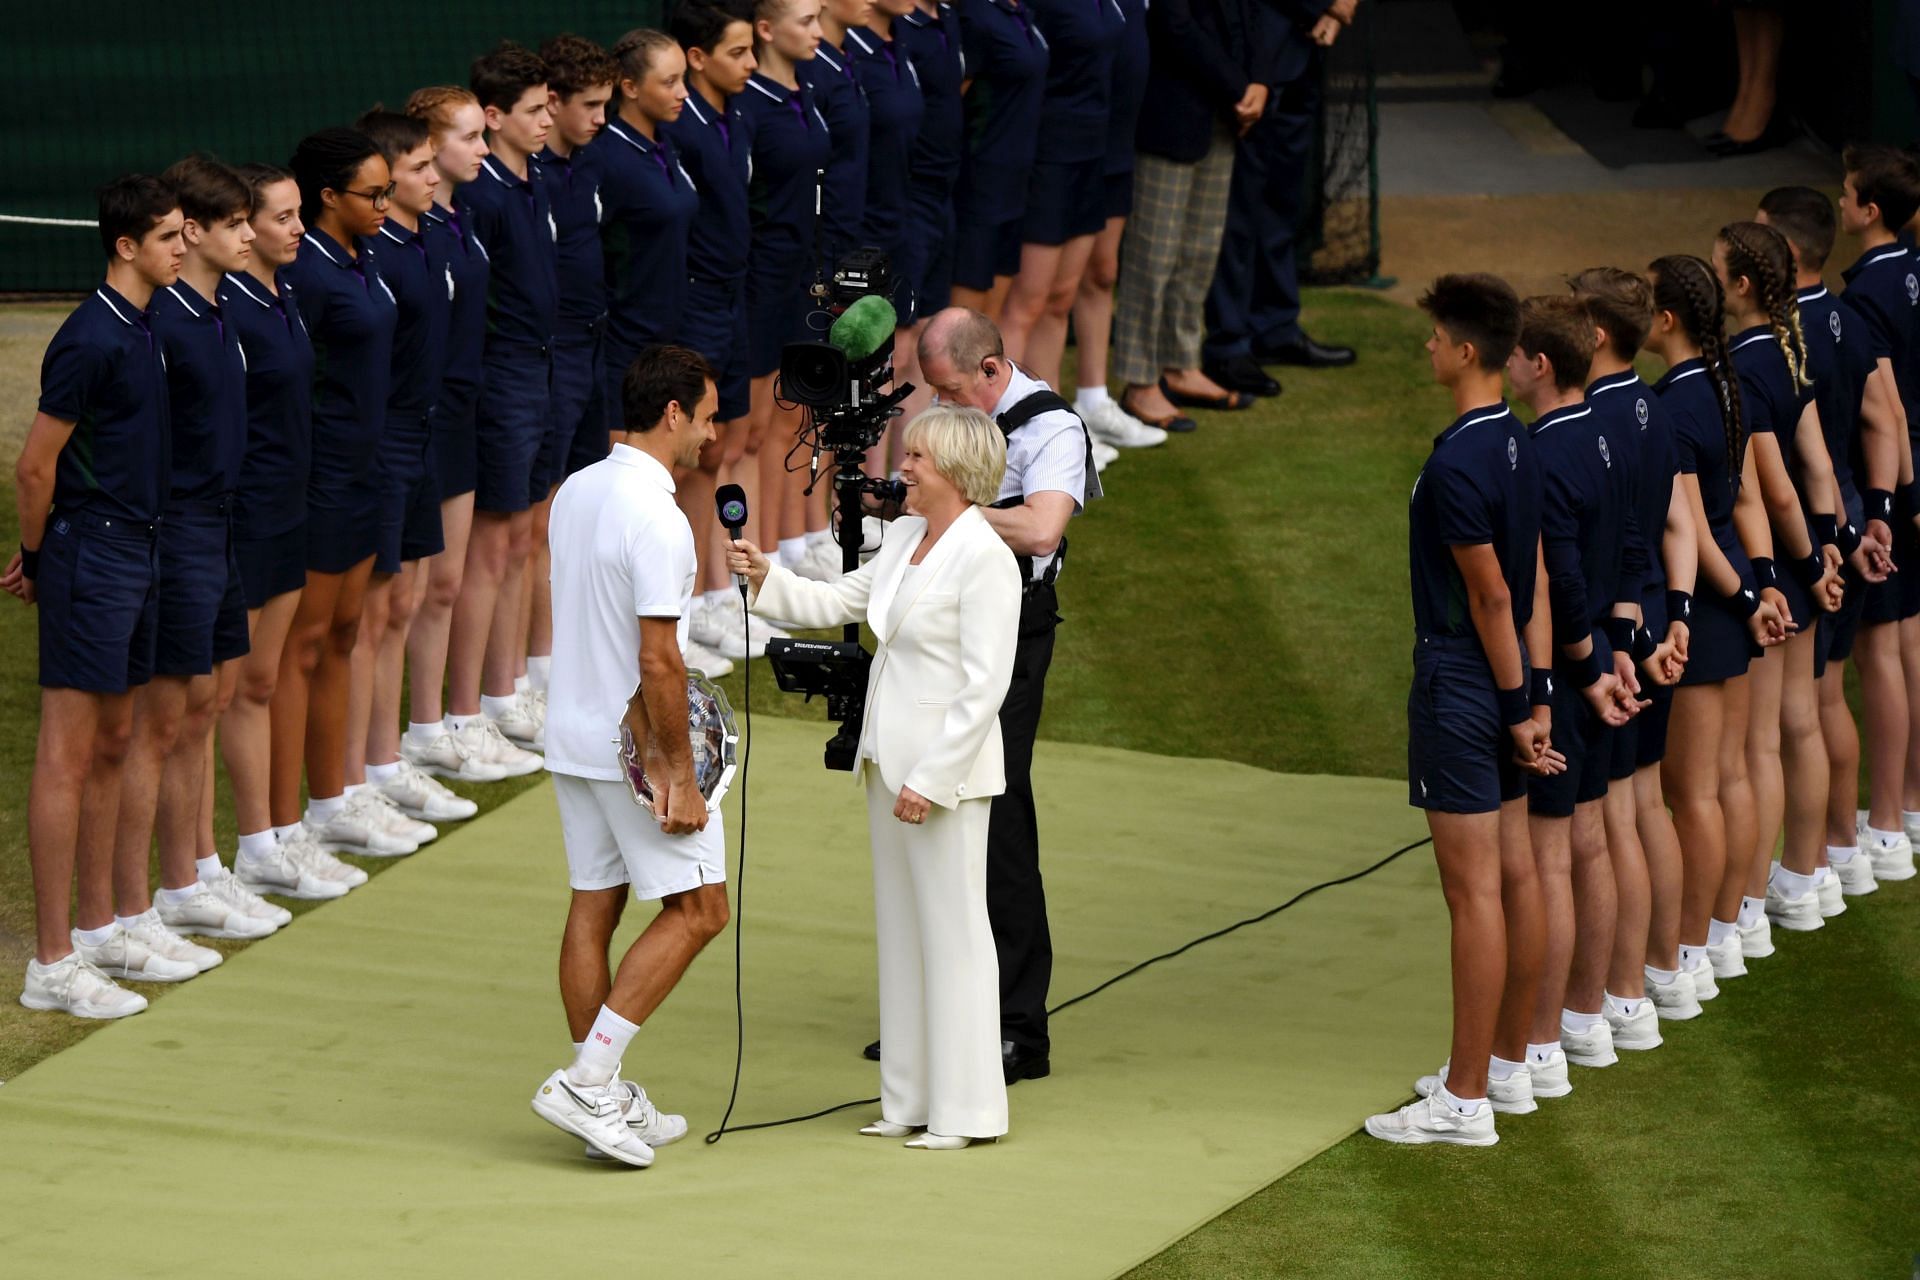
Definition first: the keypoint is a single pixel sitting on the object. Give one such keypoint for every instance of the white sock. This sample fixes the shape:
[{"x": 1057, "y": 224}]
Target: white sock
[
  {"x": 793, "y": 551},
  {"x": 175, "y": 897},
  {"x": 127, "y": 922},
  {"x": 817, "y": 536},
  {"x": 1791, "y": 884},
  {"x": 1909, "y": 819},
  {"x": 424, "y": 735},
  {"x": 98, "y": 937},
  {"x": 1463, "y": 1106},
  {"x": 522, "y": 683},
  {"x": 1837, "y": 854},
  {"x": 1822, "y": 874},
  {"x": 285, "y": 833},
  {"x": 1091, "y": 398},
  {"x": 1661, "y": 977},
  {"x": 257, "y": 845},
  {"x": 599, "y": 1058},
  {"x": 324, "y": 810},
  {"x": 1718, "y": 931},
  {"x": 355, "y": 788},
  {"x": 1499, "y": 1068},
  {"x": 493, "y": 708},
  {"x": 1538, "y": 1055},
  {"x": 1690, "y": 956},
  {"x": 1618, "y": 1006},
  {"x": 1577, "y": 1023},
  {"x": 210, "y": 867},
  {"x": 1752, "y": 909},
  {"x": 539, "y": 668},
  {"x": 379, "y": 775},
  {"x": 456, "y": 723},
  {"x": 1884, "y": 837}
]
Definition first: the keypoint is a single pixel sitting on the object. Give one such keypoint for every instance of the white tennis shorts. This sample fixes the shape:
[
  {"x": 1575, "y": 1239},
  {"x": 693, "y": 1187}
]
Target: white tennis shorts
[{"x": 612, "y": 841}]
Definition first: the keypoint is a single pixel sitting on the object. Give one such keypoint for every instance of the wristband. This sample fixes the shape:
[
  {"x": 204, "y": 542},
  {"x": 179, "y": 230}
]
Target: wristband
[
  {"x": 1591, "y": 667},
  {"x": 1514, "y": 707},
  {"x": 1620, "y": 633},
  {"x": 1825, "y": 529},
  {"x": 1765, "y": 574},
  {"x": 1749, "y": 601},
  {"x": 1543, "y": 688},
  {"x": 1810, "y": 570},
  {"x": 1680, "y": 607},
  {"x": 1849, "y": 539},
  {"x": 1880, "y": 504},
  {"x": 1644, "y": 643},
  {"x": 29, "y": 563}
]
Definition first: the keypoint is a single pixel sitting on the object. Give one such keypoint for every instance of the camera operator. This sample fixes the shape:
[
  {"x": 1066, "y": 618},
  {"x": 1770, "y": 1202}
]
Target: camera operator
[{"x": 1049, "y": 477}]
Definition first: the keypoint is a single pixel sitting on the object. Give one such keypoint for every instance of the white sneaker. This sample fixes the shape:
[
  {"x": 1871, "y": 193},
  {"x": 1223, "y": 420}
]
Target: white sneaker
[
  {"x": 280, "y": 872},
  {"x": 1590, "y": 1048},
  {"x": 418, "y": 795},
  {"x": 209, "y": 915},
  {"x": 646, "y": 1121},
  {"x": 821, "y": 563},
  {"x": 721, "y": 630},
  {"x": 1800, "y": 915},
  {"x": 382, "y": 810},
  {"x": 1756, "y": 939},
  {"x": 708, "y": 662},
  {"x": 447, "y": 757},
  {"x": 1112, "y": 425},
  {"x": 1673, "y": 1001},
  {"x": 483, "y": 740},
  {"x": 1104, "y": 455},
  {"x": 1892, "y": 854},
  {"x": 150, "y": 929},
  {"x": 1705, "y": 985},
  {"x": 1833, "y": 901},
  {"x": 518, "y": 723},
  {"x": 536, "y": 700},
  {"x": 1637, "y": 1031},
  {"x": 1431, "y": 1120},
  {"x": 1512, "y": 1096},
  {"x": 71, "y": 985},
  {"x": 127, "y": 955},
  {"x": 227, "y": 887},
  {"x": 592, "y": 1114},
  {"x": 356, "y": 828},
  {"x": 1856, "y": 876},
  {"x": 1550, "y": 1077},
  {"x": 305, "y": 850},
  {"x": 1727, "y": 957}
]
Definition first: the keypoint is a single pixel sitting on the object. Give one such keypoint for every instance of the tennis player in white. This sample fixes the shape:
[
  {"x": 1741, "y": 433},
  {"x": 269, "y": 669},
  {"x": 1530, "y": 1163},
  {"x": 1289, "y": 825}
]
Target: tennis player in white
[{"x": 623, "y": 577}]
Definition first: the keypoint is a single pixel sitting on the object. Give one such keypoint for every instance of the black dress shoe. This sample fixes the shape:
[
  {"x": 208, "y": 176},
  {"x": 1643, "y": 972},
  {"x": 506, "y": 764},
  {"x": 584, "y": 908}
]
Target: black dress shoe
[
  {"x": 872, "y": 1052},
  {"x": 1306, "y": 352},
  {"x": 1242, "y": 373},
  {"x": 1021, "y": 1063}
]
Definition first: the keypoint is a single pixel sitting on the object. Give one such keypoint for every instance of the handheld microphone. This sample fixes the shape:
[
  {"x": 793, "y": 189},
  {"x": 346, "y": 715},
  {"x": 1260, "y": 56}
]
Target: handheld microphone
[{"x": 730, "y": 502}]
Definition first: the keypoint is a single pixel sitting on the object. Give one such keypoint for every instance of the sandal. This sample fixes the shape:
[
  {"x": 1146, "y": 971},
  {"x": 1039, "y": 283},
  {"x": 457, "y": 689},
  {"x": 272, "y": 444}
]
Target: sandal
[
  {"x": 1230, "y": 401},
  {"x": 1174, "y": 422}
]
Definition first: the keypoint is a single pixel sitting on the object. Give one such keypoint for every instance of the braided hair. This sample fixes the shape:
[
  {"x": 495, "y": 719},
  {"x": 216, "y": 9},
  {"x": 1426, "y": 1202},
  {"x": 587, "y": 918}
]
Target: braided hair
[
  {"x": 327, "y": 161},
  {"x": 1686, "y": 286},
  {"x": 1764, "y": 256}
]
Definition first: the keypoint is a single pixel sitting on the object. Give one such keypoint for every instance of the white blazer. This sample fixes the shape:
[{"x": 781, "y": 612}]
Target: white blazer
[{"x": 939, "y": 676}]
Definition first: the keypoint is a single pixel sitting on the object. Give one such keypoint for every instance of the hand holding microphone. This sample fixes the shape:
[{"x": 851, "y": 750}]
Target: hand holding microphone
[{"x": 747, "y": 562}]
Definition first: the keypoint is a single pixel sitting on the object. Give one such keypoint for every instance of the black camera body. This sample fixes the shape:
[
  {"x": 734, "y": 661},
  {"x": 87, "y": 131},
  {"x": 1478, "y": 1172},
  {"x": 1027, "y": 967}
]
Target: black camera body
[
  {"x": 866, "y": 272},
  {"x": 835, "y": 670}
]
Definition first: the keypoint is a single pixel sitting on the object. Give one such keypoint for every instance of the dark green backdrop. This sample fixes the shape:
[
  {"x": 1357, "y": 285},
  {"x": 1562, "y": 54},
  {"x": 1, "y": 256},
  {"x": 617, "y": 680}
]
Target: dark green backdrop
[{"x": 101, "y": 87}]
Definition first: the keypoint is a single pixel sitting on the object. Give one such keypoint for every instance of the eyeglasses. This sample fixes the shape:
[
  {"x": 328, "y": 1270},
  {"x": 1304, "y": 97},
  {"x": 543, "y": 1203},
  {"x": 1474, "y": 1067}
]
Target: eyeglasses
[{"x": 380, "y": 198}]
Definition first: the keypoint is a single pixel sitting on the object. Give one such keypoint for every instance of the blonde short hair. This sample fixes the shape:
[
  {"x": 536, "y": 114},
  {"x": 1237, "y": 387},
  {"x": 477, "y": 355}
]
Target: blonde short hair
[{"x": 965, "y": 446}]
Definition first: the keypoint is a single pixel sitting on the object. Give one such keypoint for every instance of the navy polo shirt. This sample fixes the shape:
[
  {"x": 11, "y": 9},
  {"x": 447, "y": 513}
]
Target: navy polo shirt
[
  {"x": 513, "y": 219},
  {"x": 1625, "y": 409},
  {"x": 105, "y": 373},
  {"x": 1884, "y": 287},
  {"x": 1130, "y": 61},
  {"x": 1700, "y": 442},
  {"x": 715, "y": 146},
  {"x": 933, "y": 45},
  {"x": 1839, "y": 360},
  {"x": 1586, "y": 498},
  {"x": 451, "y": 231},
  {"x": 789, "y": 143},
  {"x": 1007, "y": 61},
  {"x": 648, "y": 204},
  {"x": 206, "y": 393},
  {"x": 416, "y": 268},
  {"x": 271, "y": 496},
  {"x": 893, "y": 92},
  {"x": 1481, "y": 484},
  {"x": 1083, "y": 37},
  {"x": 350, "y": 314},
  {"x": 574, "y": 191},
  {"x": 836, "y": 88}
]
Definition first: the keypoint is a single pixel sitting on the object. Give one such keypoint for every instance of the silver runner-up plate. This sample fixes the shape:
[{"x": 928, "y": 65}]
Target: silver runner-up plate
[{"x": 712, "y": 735}]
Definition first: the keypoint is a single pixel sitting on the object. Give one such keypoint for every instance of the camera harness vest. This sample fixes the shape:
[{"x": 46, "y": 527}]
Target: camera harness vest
[{"x": 1023, "y": 412}]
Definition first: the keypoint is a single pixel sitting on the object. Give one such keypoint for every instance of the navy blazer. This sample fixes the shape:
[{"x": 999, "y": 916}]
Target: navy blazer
[{"x": 1205, "y": 54}]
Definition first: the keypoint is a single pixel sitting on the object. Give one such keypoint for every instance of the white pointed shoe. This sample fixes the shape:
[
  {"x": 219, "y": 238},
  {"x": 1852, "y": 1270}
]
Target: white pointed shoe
[
  {"x": 1431, "y": 1120},
  {"x": 125, "y": 955},
  {"x": 449, "y": 756},
  {"x": 305, "y": 850},
  {"x": 419, "y": 795},
  {"x": 1892, "y": 854},
  {"x": 227, "y": 887},
  {"x": 1673, "y": 1001},
  {"x": 386, "y": 811},
  {"x": 888, "y": 1129},
  {"x": 1113, "y": 425},
  {"x": 162, "y": 941},
  {"x": 355, "y": 828},
  {"x": 931, "y": 1141},
  {"x": 1706, "y": 986},
  {"x": 1638, "y": 1031},
  {"x": 280, "y": 871},
  {"x": 709, "y": 662},
  {"x": 482, "y": 737},
  {"x": 1512, "y": 1096},
  {"x": 71, "y": 985},
  {"x": 649, "y": 1124},
  {"x": 1550, "y": 1077}
]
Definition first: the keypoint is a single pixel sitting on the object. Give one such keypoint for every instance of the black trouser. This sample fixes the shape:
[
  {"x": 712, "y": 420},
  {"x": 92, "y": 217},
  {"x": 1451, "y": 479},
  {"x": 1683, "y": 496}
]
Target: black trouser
[{"x": 1016, "y": 899}]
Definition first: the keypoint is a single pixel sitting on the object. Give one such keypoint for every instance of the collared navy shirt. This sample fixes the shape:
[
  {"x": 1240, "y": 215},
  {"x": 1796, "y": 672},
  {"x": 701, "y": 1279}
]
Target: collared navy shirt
[
  {"x": 513, "y": 218},
  {"x": 1130, "y": 61},
  {"x": 350, "y": 315},
  {"x": 1587, "y": 496},
  {"x": 1839, "y": 360},
  {"x": 1007, "y": 62},
  {"x": 1700, "y": 441},
  {"x": 934, "y": 46},
  {"x": 206, "y": 393},
  {"x": 1884, "y": 287},
  {"x": 452, "y": 231},
  {"x": 648, "y": 204},
  {"x": 789, "y": 143},
  {"x": 716, "y": 150},
  {"x": 893, "y": 91},
  {"x": 1631, "y": 416},
  {"x": 416, "y": 268},
  {"x": 271, "y": 496},
  {"x": 1083, "y": 37},
  {"x": 836, "y": 88},
  {"x": 574, "y": 191},
  {"x": 1480, "y": 485},
  {"x": 104, "y": 372}
]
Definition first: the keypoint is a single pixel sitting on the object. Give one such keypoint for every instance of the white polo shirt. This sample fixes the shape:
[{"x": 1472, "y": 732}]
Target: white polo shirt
[
  {"x": 621, "y": 551},
  {"x": 1047, "y": 454}
]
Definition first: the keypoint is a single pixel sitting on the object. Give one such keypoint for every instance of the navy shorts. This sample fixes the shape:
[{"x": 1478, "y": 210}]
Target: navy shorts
[
  {"x": 1459, "y": 754},
  {"x": 509, "y": 425},
  {"x": 271, "y": 565},
  {"x": 340, "y": 537},
  {"x": 715, "y": 325},
  {"x": 591, "y": 443},
  {"x": 1890, "y": 601},
  {"x": 982, "y": 252},
  {"x": 778, "y": 310},
  {"x": 1586, "y": 742},
  {"x": 576, "y": 390},
  {"x": 1800, "y": 601},
  {"x": 409, "y": 524},
  {"x": 1837, "y": 630},
  {"x": 1064, "y": 201},
  {"x": 926, "y": 251},
  {"x": 1719, "y": 646},
  {"x": 99, "y": 603},
  {"x": 454, "y": 452},
  {"x": 1650, "y": 727},
  {"x": 203, "y": 607},
  {"x": 1119, "y": 194}
]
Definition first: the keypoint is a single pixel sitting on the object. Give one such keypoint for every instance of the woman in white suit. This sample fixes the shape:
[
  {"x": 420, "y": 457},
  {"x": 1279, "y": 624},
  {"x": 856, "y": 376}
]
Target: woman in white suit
[{"x": 943, "y": 598}]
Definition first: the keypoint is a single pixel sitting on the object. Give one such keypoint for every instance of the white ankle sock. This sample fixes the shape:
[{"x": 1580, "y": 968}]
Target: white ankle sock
[
  {"x": 1538, "y": 1055},
  {"x": 324, "y": 810},
  {"x": 1884, "y": 837},
  {"x": 210, "y": 867},
  {"x": 1837, "y": 853},
  {"x": 815, "y": 537},
  {"x": 493, "y": 708},
  {"x": 792, "y": 551},
  {"x": 1578, "y": 1023},
  {"x": 1718, "y": 931},
  {"x": 598, "y": 1060},
  {"x": 286, "y": 832},
  {"x": 1690, "y": 956},
  {"x": 354, "y": 788},
  {"x": 1751, "y": 911},
  {"x": 424, "y": 735},
  {"x": 98, "y": 937},
  {"x": 1464, "y": 1106},
  {"x": 1618, "y": 1006},
  {"x": 718, "y": 598},
  {"x": 258, "y": 845},
  {"x": 1908, "y": 818},
  {"x": 1091, "y": 397},
  {"x": 539, "y": 669},
  {"x": 1661, "y": 977},
  {"x": 522, "y": 684},
  {"x": 1791, "y": 884},
  {"x": 175, "y": 897},
  {"x": 379, "y": 775},
  {"x": 1499, "y": 1068},
  {"x": 125, "y": 922}
]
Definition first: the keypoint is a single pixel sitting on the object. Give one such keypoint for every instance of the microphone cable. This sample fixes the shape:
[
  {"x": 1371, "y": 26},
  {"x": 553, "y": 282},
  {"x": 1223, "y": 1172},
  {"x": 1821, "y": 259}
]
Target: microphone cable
[
  {"x": 1122, "y": 976},
  {"x": 740, "y": 883}
]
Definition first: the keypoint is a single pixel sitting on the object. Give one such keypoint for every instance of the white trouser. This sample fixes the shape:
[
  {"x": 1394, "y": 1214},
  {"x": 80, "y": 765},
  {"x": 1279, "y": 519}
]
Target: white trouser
[{"x": 939, "y": 975}]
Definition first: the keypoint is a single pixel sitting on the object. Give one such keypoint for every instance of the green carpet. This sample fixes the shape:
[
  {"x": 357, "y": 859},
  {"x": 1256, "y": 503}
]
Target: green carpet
[{"x": 351, "y": 1096}]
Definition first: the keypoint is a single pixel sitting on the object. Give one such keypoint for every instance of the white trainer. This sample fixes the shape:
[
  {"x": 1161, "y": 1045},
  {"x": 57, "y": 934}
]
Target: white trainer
[
  {"x": 1833, "y": 901},
  {"x": 356, "y": 828},
  {"x": 593, "y": 1115},
  {"x": 448, "y": 757},
  {"x": 648, "y": 1123},
  {"x": 1706, "y": 986},
  {"x": 1104, "y": 455},
  {"x": 127, "y": 955},
  {"x": 419, "y": 795},
  {"x": 536, "y": 700},
  {"x": 304, "y": 849},
  {"x": 209, "y": 915},
  {"x": 162, "y": 941},
  {"x": 1799, "y": 915},
  {"x": 1590, "y": 1048},
  {"x": 1429, "y": 1120},
  {"x": 821, "y": 562},
  {"x": 1727, "y": 957},
  {"x": 279, "y": 871},
  {"x": 518, "y": 722},
  {"x": 1113, "y": 425},
  {"x": 490, "y": 746},
  {"x": 1512, "y": 1096},
  {"x": 1550, "y": 1077},
  {"x": 1639, "y": 1030},
  {"x": 1673, "y": 1001},
  {"x": 1756, "y": 939},
  {"x": 719, "y": 629},
  {"x": 1856, "y": 876},
  {"x": 227, "y": 887},
  {"x": 71, "y": 985},
  {"x": 708, "y": 662},
  {"x": 1892, "y": 854},
  {"x": 382, "y": 809}
]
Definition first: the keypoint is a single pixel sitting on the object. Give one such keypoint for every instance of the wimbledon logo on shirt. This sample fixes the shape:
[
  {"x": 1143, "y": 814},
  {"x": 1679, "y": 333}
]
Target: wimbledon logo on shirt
[
  {"x": 1833, "y": 321},
  {"x": 1640, "y": 410},
  {"x": 1513, "y": 454}
]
